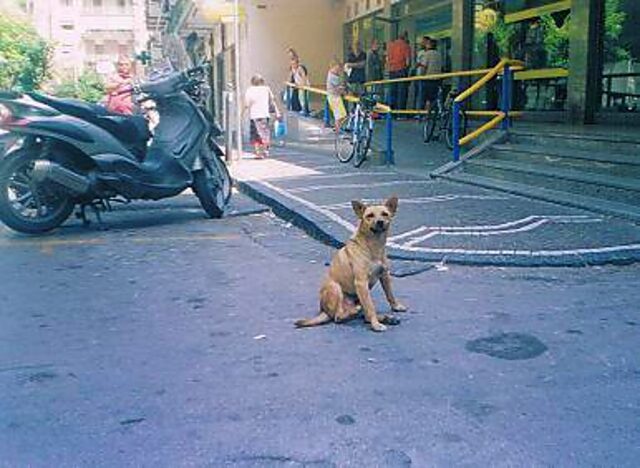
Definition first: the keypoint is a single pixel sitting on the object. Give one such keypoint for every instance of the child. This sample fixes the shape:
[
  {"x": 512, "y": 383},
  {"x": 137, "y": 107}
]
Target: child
[
  {"x": 260, "y": 101},
  {"x": 336, "y": 88}
]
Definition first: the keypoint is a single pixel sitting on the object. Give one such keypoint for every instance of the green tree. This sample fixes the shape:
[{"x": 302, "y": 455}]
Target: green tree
[
  {"x": 88, "y": 87},
  {"x": 614, "y": 19},
  {"x": 24, "y": 56},
  {"x": 556, "y": 41}
]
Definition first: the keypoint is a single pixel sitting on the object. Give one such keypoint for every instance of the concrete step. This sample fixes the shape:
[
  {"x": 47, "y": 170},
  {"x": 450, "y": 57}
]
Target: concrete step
[
  {"x": 605, "y": 157},
  {"x": 598, "y": 143},
  {"x": 555, "y": 172},
  {"x": 544, "y": 177},
  {"x": 563, "y": 198}
]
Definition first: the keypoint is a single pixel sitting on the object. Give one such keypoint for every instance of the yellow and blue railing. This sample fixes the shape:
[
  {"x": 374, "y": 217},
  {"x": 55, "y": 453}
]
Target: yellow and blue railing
[
  {"x": 380, "y": 108},
  {"x": 506, "y": 68}
]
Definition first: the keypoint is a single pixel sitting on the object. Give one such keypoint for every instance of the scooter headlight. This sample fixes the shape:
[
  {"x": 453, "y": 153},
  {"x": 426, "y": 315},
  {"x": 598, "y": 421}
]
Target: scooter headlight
[{"x": 5, "y": 114}]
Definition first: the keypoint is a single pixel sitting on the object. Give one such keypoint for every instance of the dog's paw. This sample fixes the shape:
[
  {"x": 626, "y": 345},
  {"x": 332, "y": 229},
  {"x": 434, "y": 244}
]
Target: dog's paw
[
  {"x": 397, "y": 307},
  {"x": 378, "y": 327}
]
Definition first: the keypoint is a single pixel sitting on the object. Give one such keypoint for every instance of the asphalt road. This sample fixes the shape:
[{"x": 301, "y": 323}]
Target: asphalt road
[{"x": 168, "y": 341}]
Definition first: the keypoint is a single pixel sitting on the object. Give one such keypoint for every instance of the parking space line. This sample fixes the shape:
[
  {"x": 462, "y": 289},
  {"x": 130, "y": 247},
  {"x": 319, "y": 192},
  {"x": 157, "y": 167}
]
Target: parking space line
[
  {"x": 345, "y": 186},
  {"x": 444, "y": 251}
]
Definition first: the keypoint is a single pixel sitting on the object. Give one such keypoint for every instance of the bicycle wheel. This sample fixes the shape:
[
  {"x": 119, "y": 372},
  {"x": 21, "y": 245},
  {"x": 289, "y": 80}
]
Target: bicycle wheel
[
  {"x": 449, "y": 128},
  {"x": 430, "y": 124},
  {"x": 364, "y": 142},
  {"x": 345, "y": 142}
]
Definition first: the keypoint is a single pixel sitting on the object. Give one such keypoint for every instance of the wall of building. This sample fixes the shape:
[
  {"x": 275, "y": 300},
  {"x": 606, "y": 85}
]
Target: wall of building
[
  {"x": 312, "y": 27},
  {"x": 89, "y": 34}
]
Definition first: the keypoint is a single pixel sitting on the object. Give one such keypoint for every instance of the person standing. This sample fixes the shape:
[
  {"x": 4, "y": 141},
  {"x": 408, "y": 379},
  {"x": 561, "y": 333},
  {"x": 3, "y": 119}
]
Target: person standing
[
  {"x": 118, "y": 88},
  {"x": 357, "y": 61},
  {"x": 398, "y": 60},
  {"x": 336, "y": 89},
  {"x": 432, "y": 66},
  {"x": 259, "y": 101},
  {"x": 421, "y": 67},
  {"x": 298, "y": 76},
  {"x": 374, "y": 67}
]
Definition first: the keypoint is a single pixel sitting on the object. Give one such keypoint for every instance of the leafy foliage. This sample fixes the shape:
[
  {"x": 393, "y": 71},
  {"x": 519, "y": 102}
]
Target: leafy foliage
[
  {"x": 24, "y": 56},
  {"x": 504, "y": 35},
  {"x": 556, "y": 41},
  {"x": 614, "y": 20},
  {"x": 88, "y": 87}
]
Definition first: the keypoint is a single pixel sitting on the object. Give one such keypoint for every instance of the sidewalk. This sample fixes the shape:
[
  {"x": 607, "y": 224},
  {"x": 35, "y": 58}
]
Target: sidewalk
[{"x": 437, "y": 221}]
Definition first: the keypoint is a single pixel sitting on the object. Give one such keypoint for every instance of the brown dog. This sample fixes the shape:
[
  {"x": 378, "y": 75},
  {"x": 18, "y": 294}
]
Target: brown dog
[{"x": 356, "y": 268}]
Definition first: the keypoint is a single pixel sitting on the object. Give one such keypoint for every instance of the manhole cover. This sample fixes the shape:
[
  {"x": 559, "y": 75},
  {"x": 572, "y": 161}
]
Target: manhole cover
[{"x": 511, "y": 346}]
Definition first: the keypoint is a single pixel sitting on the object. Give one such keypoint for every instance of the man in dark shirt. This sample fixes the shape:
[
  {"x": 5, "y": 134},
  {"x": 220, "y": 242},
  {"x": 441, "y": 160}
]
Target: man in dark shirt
[
  {"x": 356, "y": 61},
  {"x": 375, "y": 67}
]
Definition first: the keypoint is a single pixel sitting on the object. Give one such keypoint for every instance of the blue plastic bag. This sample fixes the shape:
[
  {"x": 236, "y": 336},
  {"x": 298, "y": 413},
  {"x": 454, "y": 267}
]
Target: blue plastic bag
[{"x": 279, "y": 129}]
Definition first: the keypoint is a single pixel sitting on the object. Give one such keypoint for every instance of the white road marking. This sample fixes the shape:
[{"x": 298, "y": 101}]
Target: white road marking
[
  {"x": 350, "y": 174},
  {"x": 528, "y": 253},
  {"x": 332, "y": 216},
  {"x": 421, "y": 200},
  {"x": 520, "y": 225},
  {"x": 444, "y": 251},
  {"x": 378, "y": 184}
]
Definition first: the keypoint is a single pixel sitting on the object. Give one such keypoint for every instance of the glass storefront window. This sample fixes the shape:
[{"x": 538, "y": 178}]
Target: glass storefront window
[
  {"x": 433, "y": 18},
  {"x": 621, "y": 54},
  {"x": 514, "y": 6},
  {"x": 536, "y": 32}
]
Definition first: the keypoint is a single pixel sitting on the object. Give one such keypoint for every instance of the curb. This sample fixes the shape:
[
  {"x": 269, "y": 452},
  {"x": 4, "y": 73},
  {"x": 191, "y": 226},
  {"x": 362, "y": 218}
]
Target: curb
[{"x": 330, "y": 233}]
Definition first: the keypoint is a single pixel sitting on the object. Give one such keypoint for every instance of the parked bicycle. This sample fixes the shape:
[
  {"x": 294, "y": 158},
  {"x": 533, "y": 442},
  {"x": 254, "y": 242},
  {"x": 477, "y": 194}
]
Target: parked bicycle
[
  {"x": 353, "y": 139},
  {"x": 440, "y": 119}
]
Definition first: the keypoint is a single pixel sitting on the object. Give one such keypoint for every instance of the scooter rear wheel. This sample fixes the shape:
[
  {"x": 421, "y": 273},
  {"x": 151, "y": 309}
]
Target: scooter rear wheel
[
  {"x": 27, "y": 206},
  {"x": 209, "y": 193}
]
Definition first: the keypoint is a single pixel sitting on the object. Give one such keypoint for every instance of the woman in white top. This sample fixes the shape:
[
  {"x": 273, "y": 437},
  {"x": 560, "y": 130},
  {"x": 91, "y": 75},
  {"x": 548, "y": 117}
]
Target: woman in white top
[{"x": 260, "y": 103}]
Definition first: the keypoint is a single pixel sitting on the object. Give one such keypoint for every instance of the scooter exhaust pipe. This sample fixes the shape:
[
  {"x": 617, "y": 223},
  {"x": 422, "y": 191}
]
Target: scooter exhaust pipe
[{"x": 47, "y": 170}]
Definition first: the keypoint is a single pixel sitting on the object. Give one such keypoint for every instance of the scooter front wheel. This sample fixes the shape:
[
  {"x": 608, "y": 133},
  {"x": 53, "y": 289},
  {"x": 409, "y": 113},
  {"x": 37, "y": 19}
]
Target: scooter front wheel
[{"x": 209, "y": 192}]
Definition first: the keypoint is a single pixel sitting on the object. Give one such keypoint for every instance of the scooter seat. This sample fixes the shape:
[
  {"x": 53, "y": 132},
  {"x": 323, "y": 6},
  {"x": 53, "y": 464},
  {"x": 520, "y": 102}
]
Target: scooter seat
[{"x": 133, "y": 130}]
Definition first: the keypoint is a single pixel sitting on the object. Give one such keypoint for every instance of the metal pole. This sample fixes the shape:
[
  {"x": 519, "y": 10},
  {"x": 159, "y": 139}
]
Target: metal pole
[
  {"x": 510, "y": 81},
  {"x": 236, "y": 41},
  {"x": 227, "y": 100},
  {"x": 389, "y": 127},
  {"x": 456, "y": 131},
  {"x": 505, "y": 97}
]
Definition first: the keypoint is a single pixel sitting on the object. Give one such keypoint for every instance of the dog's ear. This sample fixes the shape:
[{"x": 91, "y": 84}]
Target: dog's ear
[
  {"x": 392, "y": 204},
  {"x": 358, "y": 208}
]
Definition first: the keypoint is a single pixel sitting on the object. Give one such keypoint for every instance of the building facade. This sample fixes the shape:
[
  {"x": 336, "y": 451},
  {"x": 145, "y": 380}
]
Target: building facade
[
  {"x": 90, "y": 34},
  {"x": 582, "y": 56}
]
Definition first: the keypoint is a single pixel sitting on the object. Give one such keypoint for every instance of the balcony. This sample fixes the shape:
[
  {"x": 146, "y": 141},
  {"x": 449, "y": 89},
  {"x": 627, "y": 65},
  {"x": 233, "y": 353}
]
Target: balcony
[{"x": 108, "y": 23}]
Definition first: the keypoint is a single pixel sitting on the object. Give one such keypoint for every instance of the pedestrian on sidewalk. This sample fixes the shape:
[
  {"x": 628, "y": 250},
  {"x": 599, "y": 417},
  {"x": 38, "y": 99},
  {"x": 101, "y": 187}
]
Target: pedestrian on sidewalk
[
  {"x": 356, "y": 62},
  {"x": 374, "y": 67},
  {"x": 432, "y": 65},
  {"x": 298, "y": 75},
  {"x": 260, "y": 102},
  {"x": 398, "y": 60},
  {"x": 119, "y": 90},
  {"x": 336, "y": 89}
]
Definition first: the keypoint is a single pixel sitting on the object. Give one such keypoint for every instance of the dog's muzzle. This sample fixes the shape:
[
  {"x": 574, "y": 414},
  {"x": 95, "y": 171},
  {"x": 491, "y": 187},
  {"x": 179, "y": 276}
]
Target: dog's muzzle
[{"x": 379, "y": 227}]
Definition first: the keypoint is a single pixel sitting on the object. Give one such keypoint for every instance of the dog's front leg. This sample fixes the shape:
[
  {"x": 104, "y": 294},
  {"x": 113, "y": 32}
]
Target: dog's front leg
[
  {"x": 362, "y": 290},
  {"x": 385, "y": 280}
]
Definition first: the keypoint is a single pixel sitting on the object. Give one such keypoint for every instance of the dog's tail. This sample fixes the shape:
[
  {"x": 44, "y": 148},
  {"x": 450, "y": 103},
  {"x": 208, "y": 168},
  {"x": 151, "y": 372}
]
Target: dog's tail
[{"x": 319, "y": 319}]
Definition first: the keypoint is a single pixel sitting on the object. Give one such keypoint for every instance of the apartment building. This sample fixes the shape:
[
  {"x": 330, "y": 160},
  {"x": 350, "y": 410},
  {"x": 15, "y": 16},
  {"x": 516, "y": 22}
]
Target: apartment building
[{"x": 90, "y": 34}]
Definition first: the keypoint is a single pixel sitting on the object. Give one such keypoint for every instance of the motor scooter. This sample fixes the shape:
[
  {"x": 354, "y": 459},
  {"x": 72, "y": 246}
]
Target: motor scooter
[{"x": 74, "y": 153}]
